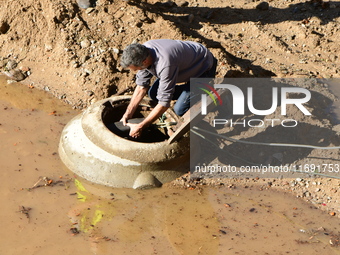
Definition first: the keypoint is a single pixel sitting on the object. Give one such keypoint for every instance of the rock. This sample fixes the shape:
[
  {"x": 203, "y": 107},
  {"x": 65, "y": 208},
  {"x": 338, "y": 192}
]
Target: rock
[
  {"x": 48, "y": 47},
  {"x": 4, "y": 27},
  {"x": 89, "y": 10},
  {"x": 115, "y": 50},
  {"x": 84, "y": 3},
  {"x": 25, "y": 69},
  {"x": 3, "y": 63},
  {"x": 333, "y": 57},
  {"x": 263, "y": 6},
  {"x": 183, "y": 4},
  {"x": 15, "y": 74},
  {"x": 11, "y": 64},
  {"x": 85, "y": 43}
]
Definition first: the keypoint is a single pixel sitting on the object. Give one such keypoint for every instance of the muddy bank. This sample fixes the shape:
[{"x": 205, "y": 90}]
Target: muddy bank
[{"x": 74, "y": 53}]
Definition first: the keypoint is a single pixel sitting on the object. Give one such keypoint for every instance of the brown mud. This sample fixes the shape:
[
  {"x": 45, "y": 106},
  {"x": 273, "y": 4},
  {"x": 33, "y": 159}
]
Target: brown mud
[
  {"x": 45, "y": 209},
  {"x": 73, "y": 54}
]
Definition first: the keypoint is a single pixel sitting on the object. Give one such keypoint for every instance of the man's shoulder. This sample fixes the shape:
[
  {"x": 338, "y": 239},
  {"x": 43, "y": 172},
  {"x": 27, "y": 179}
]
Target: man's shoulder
[
  {"x": 160, "y": 42},
  {"x": 166, "y": 42}
]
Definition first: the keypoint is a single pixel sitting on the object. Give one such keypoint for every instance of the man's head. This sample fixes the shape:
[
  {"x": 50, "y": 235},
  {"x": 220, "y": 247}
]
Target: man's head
[{"x": 136, "y": 57}]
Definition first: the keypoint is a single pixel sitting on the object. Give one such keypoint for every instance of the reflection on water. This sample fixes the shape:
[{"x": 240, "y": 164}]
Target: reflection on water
[{"x": 45, "y": 209}]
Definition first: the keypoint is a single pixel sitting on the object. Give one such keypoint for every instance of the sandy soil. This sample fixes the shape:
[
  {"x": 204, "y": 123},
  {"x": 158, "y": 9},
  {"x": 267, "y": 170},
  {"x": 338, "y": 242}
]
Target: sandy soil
[{"x": 74, "y": 53}]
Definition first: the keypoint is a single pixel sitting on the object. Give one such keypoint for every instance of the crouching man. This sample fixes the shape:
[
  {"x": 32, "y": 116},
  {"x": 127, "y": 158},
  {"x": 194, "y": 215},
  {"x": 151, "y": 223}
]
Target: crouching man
[{"x": 171, "y": 62}]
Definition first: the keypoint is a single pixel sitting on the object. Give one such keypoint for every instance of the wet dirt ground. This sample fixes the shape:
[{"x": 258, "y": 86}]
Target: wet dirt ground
[{"x": 45, "y": 209}]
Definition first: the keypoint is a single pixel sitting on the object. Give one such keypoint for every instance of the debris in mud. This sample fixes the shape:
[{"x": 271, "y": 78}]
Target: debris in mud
[
  {"x": 303, "y": 242},
  {"x": 25, "y": 210},
  {"x": 222, "y": 232},
  {"x": 74, "y": 231},
  {"x": 104, "y": 238},
  {"x": 252, "y": 210},
  {"x": 45, "y": 181},
  {"x": 335, "y": 240}
]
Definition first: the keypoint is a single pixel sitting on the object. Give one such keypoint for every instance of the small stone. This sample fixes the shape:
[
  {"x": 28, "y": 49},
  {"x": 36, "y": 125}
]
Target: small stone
[
  {"x": 332, "y": 57},
  {"x": 268, "y": 60},
  {"x": 10, "y": 81},
  {"x": 89, "y": 10},
  {"x": 89, "y": 93},
  {"x": 84, "y": 59},
  {"x": 332, "y": 213},
  {"x": 62, "y": 96},
  {"x": 84, "y": 4},
  {"x": 3, "y": 63},
  {"x": 183, "y": 4},
  {"x": 4, "y": 27},
  {"x": 307, "y": 194},
  {"x": 263, "y": 6},
  {"x": 75, "y": 64},
  {"x": 11, "y": 64},
  {"x": 24, "y": 68},
  {"x": 115, "y": 50},
  {"x": 48, "y": 47},
  {"x": 85, "y": 43},
  {"x": 15, "y": 74}
]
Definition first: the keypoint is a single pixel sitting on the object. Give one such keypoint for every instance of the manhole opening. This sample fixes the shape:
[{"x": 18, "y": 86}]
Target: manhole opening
[{"x": 158, "y": 132}]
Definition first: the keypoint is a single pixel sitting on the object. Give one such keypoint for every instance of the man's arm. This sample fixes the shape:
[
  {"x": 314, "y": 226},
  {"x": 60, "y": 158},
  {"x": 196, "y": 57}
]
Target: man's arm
[
  {"x": 137, "y": 97},
  {"x": 136, "y": 129}
]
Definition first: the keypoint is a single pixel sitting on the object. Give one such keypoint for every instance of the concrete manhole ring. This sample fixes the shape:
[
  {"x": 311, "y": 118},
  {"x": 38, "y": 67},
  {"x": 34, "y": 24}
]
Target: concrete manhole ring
[{"x": 89, "y": 149}]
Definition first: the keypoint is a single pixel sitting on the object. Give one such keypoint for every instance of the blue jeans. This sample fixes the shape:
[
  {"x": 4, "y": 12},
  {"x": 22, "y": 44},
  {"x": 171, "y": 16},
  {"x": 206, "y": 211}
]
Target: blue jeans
[{"x": 182, "y": 92}]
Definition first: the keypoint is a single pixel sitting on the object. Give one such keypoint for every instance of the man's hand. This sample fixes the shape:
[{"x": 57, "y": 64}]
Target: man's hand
[
  {"x": 137, "y": 96},
  {"x": 135, "y": 130},
  {"x": 124, "y": 119}
]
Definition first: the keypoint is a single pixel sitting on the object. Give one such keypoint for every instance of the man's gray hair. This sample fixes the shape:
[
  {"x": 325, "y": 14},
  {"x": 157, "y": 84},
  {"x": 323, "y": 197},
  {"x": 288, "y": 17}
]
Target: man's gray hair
[{"x": 134, "y": 54}]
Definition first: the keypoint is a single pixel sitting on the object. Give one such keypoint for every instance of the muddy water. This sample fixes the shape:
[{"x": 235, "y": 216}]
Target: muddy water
[{"x": 45, "y": 209}]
